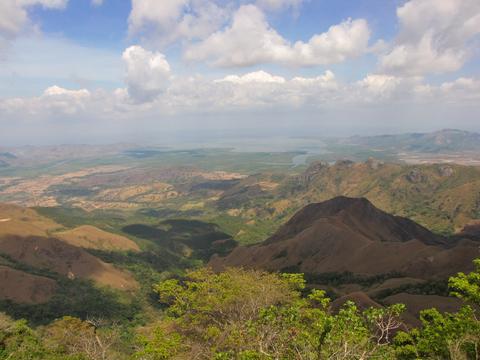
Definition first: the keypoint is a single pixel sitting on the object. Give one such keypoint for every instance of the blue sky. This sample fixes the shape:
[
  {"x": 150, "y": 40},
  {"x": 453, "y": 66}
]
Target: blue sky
[{"x": 342, "y": 65}]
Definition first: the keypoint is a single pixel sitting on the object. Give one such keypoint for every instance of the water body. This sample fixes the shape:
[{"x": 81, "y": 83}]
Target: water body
[{"x": 301, "y": 159}]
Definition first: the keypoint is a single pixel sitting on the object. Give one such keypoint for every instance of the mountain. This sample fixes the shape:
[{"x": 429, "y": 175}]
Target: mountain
[
  {"x": 69, "y": 261},
  {"x": 34, "y": 255},
  {"x": 442, "y": 197},
  {"x": 447, "y": 140},
  {"x": 351, "y": 235}
]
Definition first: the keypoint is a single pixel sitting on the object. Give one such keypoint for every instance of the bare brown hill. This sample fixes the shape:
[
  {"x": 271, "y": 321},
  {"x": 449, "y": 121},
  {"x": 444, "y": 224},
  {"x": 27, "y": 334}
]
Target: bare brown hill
[
  {"x": 351, "y": 235},
  {"x": 24, "y": 222},
  {"x": 27, "y": 237},
  {"x": 416, "y": 303},
  {"x": 91, "y": 237},
  {"x": 62, "y": 258},
  {"x": 21, "y": 287}
]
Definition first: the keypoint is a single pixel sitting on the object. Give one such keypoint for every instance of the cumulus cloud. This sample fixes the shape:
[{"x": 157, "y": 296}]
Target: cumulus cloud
[
  {"x": 230, "y": 36},
  {"x": 254, "y": 77},
  {"x": 162, "y": 13},
  {"x": 258, "y": 91},
  {"x": 168, "y": 21},
  {"x": 277, "y": 5},
  {"x": 14, "y": 17},
  {"x": 434, "y": 37},
  {"x": 250, "y": 40},
  {"x": 54, "y": 99},
  {"x": 148, "y": 73}
]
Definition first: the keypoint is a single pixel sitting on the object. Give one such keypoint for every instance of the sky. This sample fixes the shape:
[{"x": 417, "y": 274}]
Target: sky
[{"x": 93, "y": 71}]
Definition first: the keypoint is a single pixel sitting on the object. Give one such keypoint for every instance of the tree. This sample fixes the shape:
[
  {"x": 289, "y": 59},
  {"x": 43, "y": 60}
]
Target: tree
[
  {"x": 449, "y": 335},
  {"x": 467, "y": 286},
  {"x": 89, "y": 339},
  {"x": 249, "y": 314},
  {"x": 20, "y": 342}
]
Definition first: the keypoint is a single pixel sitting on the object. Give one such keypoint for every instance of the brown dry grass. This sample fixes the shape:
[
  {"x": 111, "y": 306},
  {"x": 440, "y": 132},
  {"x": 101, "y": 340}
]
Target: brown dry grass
[
  {"x": 24, "y": 222},
  {"x": 21, "y": 287},
  {"x": 64, "y": 259},
  {"x": 90, "y": 237}
]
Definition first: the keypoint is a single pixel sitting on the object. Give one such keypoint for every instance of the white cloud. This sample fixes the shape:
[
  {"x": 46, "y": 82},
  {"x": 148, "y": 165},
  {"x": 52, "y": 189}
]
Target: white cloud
[
  {"x": 54, "y": 100},
  {"x": 59, "y": 92},
  {"x": 348, "y": 39},
  {"x": 97, "y": 3},
  {"x": 230, "y": 36},
  {"x": 327, "y": 78},
  {"x": 380, "y": 98},
  {"x": 255, "y": 77},
  {"x": 14, "y": 16},
  {"x": 458, "y": 91},
  {"x": 434, "y": 36},
  {"x": 168, "y": 21},
  {"x": 148, "y": 73},
  {"x": 250, "y": 40},
  {"x": 277, "y": 5},
  {"x": 163, "y": 13}
]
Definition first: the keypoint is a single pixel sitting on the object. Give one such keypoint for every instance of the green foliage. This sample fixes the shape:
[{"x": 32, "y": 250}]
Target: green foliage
[
  {"x": 467, "y": 286},
  {"x": 204, "y": 239},
  {"x": 254, "y": 315},
  {"x": 444, "y": 336},
  {"x": 240, "y": 314},
  {"x": 447, "y": 336},
  {"x": 18, "y": 341},
  {"x": 161, "y": 345},
  {"x": 431, "y": 287},
  {"x": 80, "y": 298}
]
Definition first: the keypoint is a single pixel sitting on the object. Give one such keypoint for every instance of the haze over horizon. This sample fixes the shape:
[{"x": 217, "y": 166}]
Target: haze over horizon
[{"x": 145, "y": 71}]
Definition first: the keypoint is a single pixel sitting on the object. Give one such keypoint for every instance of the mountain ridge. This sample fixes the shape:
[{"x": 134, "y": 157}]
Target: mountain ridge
[{"x": 351, "y": 235}]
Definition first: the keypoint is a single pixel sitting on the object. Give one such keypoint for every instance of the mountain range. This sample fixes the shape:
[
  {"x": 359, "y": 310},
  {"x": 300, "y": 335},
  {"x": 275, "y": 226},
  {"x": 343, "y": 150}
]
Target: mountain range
[
  {"x": 357, "y": 252},
  {"x": 447, "y": 140},
  {"x": 351, "y": 235}
]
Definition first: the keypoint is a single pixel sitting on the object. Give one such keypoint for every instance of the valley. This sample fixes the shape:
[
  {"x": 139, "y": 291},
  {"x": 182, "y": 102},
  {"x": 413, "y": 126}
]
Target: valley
[{"x": 106, "y": 227}]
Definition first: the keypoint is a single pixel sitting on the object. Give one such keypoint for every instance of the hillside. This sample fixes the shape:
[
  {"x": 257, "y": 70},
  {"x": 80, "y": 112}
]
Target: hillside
[
  {"x": 447, "y": 140},
  {"x": 20, "y": 221},
  {"x": 21, "y": 287},
  {"x": 443, "y": 198},
  {"x": 27, "y": 238},
  {"x": 351, "y": 235},
  {"x": 90, "y": 237}
]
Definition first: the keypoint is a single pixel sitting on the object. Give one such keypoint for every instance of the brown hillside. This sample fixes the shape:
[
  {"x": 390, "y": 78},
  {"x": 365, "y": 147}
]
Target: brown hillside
[
  {"x": 417, "y": 303},
  {"x": 362, "y": 300},
  {"x": 348, "y": 234},
  {"x": 90, "y": 237},
  {"x": 359, "y": 215},
  {"x": 21, "y": 287},
  {"x": 65, "y": 259},
  {"x": 24, "y": 222},
  {"x": 443, "y": 197}
]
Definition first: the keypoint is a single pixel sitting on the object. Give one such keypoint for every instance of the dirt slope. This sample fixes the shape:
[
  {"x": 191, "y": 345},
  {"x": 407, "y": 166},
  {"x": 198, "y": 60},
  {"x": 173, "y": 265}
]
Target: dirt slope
[
  {"x": 65, "y": 259},
  {"x": 417, "y": 303},
  {"x": 90, "y": 237},
  {"x": 16, "y": 220},
  {"x": 21, "y": 287}
]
